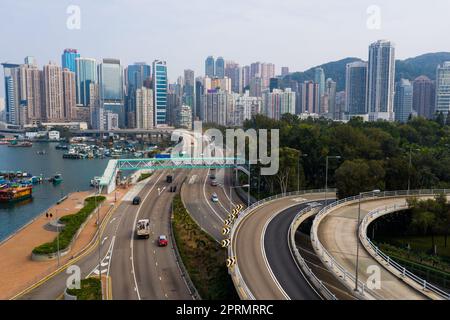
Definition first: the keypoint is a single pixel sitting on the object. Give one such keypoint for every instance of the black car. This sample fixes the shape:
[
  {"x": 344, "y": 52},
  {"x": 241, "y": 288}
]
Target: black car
[
  {"x": 136, "y": 200},
  {"x": 169, "y": 179}
]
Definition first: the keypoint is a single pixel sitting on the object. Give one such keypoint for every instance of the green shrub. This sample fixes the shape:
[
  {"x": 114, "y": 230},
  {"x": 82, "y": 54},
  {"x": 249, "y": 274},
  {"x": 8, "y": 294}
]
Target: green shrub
[
  {"x": 72, "y": 224},
  {"x": 90, "y": 289}
]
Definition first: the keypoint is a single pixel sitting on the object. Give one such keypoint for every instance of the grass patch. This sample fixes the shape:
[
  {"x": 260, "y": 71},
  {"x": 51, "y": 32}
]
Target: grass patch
[
  {"x": 202, "y": 256},
  {"x": 144, "y": 176},
  {"x": 72, "y": 223},
  {"x": 90, "y": 289}
]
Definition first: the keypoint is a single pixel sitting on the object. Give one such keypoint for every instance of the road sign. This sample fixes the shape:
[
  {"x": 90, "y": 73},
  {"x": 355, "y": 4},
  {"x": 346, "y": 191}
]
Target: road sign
[
  {"x": 231, "y": 262},
  {"x": 226, "y": 231},
  {"x": 226, "y": 243},
  {"x": 228, "y": 222}
]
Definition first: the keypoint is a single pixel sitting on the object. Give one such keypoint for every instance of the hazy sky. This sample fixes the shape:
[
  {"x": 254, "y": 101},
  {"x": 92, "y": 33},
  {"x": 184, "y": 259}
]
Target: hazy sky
[{"x": 294, "y": 33}]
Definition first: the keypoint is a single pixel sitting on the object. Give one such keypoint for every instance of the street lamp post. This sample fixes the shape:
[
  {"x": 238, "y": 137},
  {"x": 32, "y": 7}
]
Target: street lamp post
[
  {"x": 409, "y": 167},
  {"x": 357, "y": 234},
  {"x": 298, "y": 168},
  {"x": 326, "y": 174}
]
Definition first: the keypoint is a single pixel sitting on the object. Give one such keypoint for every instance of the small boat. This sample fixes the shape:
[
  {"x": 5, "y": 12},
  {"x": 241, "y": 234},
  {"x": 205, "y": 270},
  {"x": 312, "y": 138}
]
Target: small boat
[
  {"x": 22, "y": 144},
  {"x": 95, "y": 182},
  {"x": 41, "y": 152},
  {"x": 62, "y": 147},
  {"x": 57, "y": 179}
]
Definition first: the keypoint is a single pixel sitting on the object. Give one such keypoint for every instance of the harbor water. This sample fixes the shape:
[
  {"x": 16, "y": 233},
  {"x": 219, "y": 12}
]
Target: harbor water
[{"x": 43, "y": 159}]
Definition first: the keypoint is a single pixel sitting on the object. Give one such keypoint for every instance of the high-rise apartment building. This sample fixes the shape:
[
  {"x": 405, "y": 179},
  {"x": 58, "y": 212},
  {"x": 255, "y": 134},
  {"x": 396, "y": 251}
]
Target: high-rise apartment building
[
  {"x": 310, "y": 97},
  {"x": 53, "y": 93},
  {"x": 329, "y": 99},
  {"x": 443, "y": 88},
  {"x": 245, "y": 75},
  {"x": 380, "y": 83},
  {"x": 144, "y": 108},
  {"x": 33, "y": 87},
  {"x": 356, "y": 88},
  {"x": 209, "y": 67},
  {"x": 246, "y": 107},
  {"x": 278, "y": 102},
  {"x": 216, "y": 107},
  {"x": 69, "y": 93},
  {"x": 68, "y": 59},
  {"x": 184, "y": 117},
  {"x": 403, "y": 102},
  {"x": 424, "y": 94},
  {"x": 233, "y": 71}
]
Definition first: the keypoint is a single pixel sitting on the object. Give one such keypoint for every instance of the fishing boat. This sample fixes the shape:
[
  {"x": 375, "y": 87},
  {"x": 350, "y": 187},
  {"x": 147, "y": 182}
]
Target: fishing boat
[{"x": 12, "y": 194}]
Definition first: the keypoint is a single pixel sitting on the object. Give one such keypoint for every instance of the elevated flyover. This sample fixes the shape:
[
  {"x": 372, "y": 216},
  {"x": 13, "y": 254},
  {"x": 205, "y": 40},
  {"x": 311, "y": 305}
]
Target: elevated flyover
[
  {"x": 336, "y": 233},
  {"x": 250, "y": 267}
]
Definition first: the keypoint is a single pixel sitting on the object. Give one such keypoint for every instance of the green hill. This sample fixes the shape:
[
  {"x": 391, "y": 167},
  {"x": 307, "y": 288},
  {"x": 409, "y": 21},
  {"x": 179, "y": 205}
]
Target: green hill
[{"x": 410, "y": 68}]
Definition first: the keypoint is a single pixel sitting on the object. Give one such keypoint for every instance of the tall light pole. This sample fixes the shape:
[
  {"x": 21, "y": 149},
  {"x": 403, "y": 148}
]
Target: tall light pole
[
  {"x": 409, "y": 167},
  {"x": 357, "y": 234},
  {"x": 298, "y": 168},
  {"x": 326, "y": 175}
]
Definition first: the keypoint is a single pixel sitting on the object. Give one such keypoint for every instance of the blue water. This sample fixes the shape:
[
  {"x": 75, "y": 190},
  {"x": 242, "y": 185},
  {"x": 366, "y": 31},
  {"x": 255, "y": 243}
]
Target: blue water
[{"x": 76, "y": 174}]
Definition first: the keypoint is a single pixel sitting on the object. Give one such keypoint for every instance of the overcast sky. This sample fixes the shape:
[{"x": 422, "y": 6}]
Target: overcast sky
[{"x": 294, "y": 33}]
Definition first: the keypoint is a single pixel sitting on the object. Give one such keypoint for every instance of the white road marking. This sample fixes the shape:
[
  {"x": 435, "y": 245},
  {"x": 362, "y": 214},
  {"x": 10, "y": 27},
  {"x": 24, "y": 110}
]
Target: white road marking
[
  {"x": 104, "y": 239},
  {"x": 207, "y": 200},
  {"x": 192, "y": 179},
  {"x": 112, "y": 220},
  {"x": 132, "y": 235}
]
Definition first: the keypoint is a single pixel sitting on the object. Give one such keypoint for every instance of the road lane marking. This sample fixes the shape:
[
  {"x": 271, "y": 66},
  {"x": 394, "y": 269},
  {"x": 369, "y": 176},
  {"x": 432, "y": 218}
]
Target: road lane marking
[
  {"x": 207, "y": 201},
  {"x": 132, "y": 235}
]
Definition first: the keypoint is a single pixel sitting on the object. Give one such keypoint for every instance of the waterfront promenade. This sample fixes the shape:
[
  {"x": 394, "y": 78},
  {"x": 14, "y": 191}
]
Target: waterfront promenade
[{"x": 18, "y": 271}]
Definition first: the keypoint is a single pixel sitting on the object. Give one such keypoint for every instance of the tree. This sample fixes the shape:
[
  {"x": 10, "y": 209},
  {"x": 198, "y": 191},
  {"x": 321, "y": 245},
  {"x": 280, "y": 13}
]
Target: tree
[
  {"x": 355, "y": 176},
  {"x": 440, "y": 119},
  {"x": 288, "y": 168}
]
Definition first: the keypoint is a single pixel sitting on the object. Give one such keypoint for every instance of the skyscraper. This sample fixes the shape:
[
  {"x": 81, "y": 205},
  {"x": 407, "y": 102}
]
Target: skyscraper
[
  {"x": 209, "y": 67},
  {"x": 319, "y": 78},
  {"x": 403, "y": 102},
  {"x": 32, "y": 91},
  {"x": 233, "y": 71},
  {"x": 355, "y": 88},
  {"x": 443, "y": 88},
  {"x": 245, "y": 77},
  {"x": 53, "y": 93},
  {"x": 310, "y": 97},
  {"x": 69, "y": 92},
  {"x": 111, "y": 88},
  {"x": 284, "y": 71},
  {"x": 68, "y": 59},
  {"x": 424, "y": 94},
  {"x": 86, "y": 74},
  {"x": 138, "y": 75},
  {"x": 216, "y": 107},
  {"x": 380, "y": 83},
  {"x": 12, "y": 95},
  {"x": 220, "y": 68},
  {"x": 189, "y": 89},
  {"x": 160, "y": 87},
  {"x": 144, "y": 108},
  {"x": 330, "y": 97}
]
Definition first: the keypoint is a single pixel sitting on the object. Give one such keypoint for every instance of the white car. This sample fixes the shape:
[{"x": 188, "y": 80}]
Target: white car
[{"x": 214, "y": 197}]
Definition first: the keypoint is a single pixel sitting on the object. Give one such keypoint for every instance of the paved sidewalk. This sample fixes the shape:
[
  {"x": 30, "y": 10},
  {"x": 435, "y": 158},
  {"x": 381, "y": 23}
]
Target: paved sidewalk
[{"x": 18, "y": 271}]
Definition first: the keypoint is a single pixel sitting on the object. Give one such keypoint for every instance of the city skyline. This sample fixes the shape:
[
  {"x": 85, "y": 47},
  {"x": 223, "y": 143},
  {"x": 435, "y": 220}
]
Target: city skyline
[{"x": 287, "y": 18}]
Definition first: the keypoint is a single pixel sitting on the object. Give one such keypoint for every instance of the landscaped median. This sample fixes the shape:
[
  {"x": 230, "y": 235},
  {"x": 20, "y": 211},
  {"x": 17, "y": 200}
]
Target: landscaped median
[
  {"x": 202, "y": 256},
  {"x": 72, "y": 224},
  {"x": 90, "y": 289}
]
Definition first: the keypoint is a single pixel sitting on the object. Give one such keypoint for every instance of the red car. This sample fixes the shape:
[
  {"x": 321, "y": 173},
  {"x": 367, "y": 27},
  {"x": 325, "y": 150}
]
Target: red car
[{"x": 162, "y": 241}]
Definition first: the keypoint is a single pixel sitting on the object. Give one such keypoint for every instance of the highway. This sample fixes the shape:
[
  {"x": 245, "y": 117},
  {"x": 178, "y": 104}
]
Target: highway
[
  {"x": 260, "y": 244},
  {"x": 138, "y": 269},
  {"x": 196, "y": 194}
]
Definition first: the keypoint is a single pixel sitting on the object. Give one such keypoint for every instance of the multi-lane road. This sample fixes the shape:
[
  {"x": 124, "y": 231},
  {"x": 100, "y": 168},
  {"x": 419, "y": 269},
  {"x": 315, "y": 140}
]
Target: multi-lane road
[{"x": 137, "y": 269}]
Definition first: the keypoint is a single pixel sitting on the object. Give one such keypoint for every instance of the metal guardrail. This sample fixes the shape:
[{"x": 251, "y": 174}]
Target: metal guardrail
[
  {"x": 329, "y": 260},
  {"x": 372, "y": 215},
  {"x": 242, "y": 288},
  {"x": 301, "y": 261}
]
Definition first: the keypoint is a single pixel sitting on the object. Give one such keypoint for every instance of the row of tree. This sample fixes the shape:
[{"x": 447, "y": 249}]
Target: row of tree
[{"x": 373, "y": 155}]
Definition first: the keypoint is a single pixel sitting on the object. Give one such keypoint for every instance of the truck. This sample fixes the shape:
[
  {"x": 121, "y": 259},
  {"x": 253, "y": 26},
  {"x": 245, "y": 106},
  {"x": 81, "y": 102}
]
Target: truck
[
  {"x": 143, "y": 228},
  {"x": 162, "y": 156}
]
